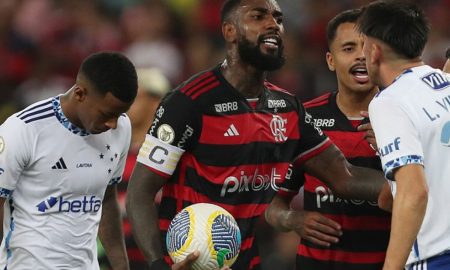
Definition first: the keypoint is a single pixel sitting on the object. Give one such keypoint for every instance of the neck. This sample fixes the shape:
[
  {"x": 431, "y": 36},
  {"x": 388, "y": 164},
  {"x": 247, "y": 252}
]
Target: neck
[
  {"x": 248, "y": 80},
  {"x": 394, "y": 68},
  {"x": 352, "y": 103},
  {"x": 68, "y": 107}
]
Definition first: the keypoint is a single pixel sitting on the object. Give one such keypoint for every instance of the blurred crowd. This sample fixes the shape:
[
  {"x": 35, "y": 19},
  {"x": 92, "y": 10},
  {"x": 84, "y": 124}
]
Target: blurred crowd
[{"x": 42, "y": 42}]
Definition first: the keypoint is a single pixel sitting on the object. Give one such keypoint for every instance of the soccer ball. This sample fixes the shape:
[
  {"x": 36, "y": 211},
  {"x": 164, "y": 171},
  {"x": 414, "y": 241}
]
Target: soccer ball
[{"x": 207, "y": 228}]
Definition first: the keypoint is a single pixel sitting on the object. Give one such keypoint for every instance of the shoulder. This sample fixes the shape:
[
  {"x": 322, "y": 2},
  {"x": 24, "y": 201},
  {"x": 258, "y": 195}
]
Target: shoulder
[
  {"x": 275, "y": 88},
  {"x": 123, "y": 123},
  {"x": 198, "y": 85},
  {"x": 38, "y": 111},
  {"x": 318, "y": 101}
]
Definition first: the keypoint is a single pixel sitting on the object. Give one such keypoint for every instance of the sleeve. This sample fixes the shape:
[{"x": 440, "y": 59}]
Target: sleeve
[
  {"x": 397, "y": 137},
  {"x": 15, "y": 153},
  {"x": 312, "y": 139},
  {"x": 175, "y": 129},
  {"x": 294, "y": 180},
  {"x": 125, "y": 129}
]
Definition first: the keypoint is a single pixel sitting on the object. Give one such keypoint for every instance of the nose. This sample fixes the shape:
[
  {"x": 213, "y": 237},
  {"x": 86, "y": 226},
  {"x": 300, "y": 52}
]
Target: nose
[
  {"x": 112, "y": 123},
  {"x": 272, "y": 23}
]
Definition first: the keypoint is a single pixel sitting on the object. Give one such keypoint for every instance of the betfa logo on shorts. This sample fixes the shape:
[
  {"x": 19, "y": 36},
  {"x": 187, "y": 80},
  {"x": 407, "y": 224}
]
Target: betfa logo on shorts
[
  {"x": 278, "y": 128},
  {"x": 86, "y": 204}
]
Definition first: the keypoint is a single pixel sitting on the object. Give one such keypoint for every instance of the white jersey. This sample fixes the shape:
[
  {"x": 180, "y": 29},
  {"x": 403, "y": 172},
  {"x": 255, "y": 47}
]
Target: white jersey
[
  {"x": 54, "y": 176},
  {"x": 411, "y": 120}
]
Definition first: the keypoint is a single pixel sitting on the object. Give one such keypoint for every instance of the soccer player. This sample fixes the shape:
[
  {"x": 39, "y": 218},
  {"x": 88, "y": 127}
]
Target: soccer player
[
  {"x": 337, "y": 234},
  {"x": 227, "y": 136},
  {"x": 411, "y": 121},
  {"x": 60, "y": 161}
]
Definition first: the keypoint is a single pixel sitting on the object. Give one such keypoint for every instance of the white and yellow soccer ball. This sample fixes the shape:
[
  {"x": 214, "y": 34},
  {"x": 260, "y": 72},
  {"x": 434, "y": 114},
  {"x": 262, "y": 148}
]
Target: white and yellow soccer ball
[{"x": 207, "y": 228}]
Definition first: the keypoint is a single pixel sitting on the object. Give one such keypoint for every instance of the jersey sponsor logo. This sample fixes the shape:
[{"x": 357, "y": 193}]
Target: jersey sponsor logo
[
  {"x": 2, "y": 144},
  {"x": 226, "y": 107},
  {"x": 166, "y": 133},
  {"x": 445, "y": 135},
  {"x": 188, "y": 132},
  {"x": 324, "y": 122},
  {"x": 60, "y": 165},
  {"x": 159, "y": 114},
  {"x": 276, "y": 103},
  {"x": 309, "y": 120},
  {"x": 389, "y": 148},
  {"x": 436, "y": 81},
  {"x": 278, "y": 128},
  {"x": 84, "y": 165},
  {"x": 86, "y": 204},
  {"x": 325, "y": 195},
  {"x": 231, "y": 131},
  {"x": 254, "y": 182}
]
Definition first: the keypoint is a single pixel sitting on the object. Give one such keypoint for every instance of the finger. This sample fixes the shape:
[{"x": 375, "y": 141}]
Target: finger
[
  {"x": 364, "y": 113},
  {"x": 365, "y": 127},
  {"x": 321, "y": 239},
  {"x": 327, "y": 230},
  {"x": 189, "y": 260}
]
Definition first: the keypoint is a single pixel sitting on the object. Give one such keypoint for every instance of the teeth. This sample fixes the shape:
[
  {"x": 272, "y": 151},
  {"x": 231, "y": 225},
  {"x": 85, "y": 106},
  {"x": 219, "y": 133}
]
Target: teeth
[{"x": 271, "y": 41}]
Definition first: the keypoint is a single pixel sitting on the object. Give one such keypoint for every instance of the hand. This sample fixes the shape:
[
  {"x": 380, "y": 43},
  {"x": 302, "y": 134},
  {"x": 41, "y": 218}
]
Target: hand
[
  {"x": 190, "y": 259},
  {"x": 369, "y": 135},
  {"x": 187, "y": 263},
  {"x": 318, "y": 229}
]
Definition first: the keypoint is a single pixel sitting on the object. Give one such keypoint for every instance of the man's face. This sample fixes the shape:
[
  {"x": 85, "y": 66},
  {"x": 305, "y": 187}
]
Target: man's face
[
  {"x": 346, "y": 58},
  {"x": 260, "y": 28},
  {"x": 98, "y": 113}
]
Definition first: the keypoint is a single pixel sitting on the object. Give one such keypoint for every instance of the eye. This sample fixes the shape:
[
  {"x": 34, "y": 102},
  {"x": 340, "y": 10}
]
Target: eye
[
  {"x": 280, "y": 20},
  {"x": 257, "y": 17},
  {"x": 347, "y": 49}
]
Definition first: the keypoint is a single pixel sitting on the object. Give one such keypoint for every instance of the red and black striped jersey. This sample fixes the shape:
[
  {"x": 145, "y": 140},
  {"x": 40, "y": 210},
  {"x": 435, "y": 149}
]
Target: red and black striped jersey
[
  {"x": 236, "y": 155},
  {"x": 365, "y": 227}
]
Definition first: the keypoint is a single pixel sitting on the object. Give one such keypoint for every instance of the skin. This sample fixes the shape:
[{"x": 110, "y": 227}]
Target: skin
[
  {"x": 446, "y": 67},
  {"x": 354, "y": 94},
  {"x": 252, "y": 19},
  {"x": 97, "y": 113},
  {"x": 412, "y": 191}
]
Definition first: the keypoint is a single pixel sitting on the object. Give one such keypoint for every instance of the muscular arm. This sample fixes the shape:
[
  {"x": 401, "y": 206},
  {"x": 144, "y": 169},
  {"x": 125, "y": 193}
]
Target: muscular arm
[
  {"x": 110, "y": 230},
  {"x": 142, "y": 213},
  {"x": 346, "y": 180},
  {"x": 410, "y": 203}
]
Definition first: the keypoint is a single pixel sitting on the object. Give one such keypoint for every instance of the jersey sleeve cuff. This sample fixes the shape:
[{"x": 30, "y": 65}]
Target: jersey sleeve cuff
[
  {"x": 390, "y": 166},
  {"x": 300, "y": 159}
]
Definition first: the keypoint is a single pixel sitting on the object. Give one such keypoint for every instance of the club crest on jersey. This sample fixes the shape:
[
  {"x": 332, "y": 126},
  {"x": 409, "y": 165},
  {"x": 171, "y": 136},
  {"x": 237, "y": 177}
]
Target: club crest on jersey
[
  {"x": 2, "y": 144},
  {"x": 166, "y": 133},
  {"x": 436, "y": 81},
  {"x": 278, "y": 128}
]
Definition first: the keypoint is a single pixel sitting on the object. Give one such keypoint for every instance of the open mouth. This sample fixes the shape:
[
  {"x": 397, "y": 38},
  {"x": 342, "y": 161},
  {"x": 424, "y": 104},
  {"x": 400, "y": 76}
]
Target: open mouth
[
  {"x": 271, "y": 42},
  {"x": 360, "y": 74}
]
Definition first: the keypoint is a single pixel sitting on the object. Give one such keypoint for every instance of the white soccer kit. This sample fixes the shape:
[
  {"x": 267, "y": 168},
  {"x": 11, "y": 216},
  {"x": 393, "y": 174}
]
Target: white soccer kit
[
  {"x": 54, "y": 176},
  {"x": 411, "y": 120}
]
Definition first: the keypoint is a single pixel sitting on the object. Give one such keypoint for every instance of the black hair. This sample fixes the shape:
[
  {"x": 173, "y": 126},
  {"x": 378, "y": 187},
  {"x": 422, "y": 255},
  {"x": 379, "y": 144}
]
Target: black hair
[
  {"x": 111, "y": 72},
  {"x": 227, "y": 8},
  {"x": 347, "y": 16},
  {"x": 447, "y": 53},
  {"x": 401, "y": 25}
]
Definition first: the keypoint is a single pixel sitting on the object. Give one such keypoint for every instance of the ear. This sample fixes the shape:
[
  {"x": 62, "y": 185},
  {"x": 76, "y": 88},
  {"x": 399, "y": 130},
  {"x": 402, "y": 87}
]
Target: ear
[
  {"x": 376, "y": 53},
  {"x": 229, "y": 32},
  {"x": 79, "y": 93},
  {"x": 330, "y": 61}
]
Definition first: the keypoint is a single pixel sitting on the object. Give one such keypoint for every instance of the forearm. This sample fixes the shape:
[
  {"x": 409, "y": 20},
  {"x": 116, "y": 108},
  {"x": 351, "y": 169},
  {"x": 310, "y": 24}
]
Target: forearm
[
  {"x": 409, "y": 210},
  {"x": 111, "y": 234},
  {"x": 142, "y": 213},
  {"x": 365, "y": 184}
]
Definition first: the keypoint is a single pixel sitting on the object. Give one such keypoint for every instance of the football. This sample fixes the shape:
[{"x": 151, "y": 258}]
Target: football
[{"x": 207, "y": 228}]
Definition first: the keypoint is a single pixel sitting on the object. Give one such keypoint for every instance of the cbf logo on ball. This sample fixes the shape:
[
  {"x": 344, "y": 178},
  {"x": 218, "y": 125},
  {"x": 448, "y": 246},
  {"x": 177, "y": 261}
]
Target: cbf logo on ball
[{"x": 207, "y": 228}]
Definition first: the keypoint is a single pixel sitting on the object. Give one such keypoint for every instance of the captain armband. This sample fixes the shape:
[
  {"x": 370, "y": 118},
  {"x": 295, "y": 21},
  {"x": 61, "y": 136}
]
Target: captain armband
[{"x": 158, "y": 155}]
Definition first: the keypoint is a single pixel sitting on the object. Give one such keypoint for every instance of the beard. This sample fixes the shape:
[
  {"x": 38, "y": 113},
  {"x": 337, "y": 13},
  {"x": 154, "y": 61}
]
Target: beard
[{"x": 251, "y": 54}]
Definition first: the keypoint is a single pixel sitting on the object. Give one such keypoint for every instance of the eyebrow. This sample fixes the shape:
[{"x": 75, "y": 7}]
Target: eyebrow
[
  {"x": 276, "y": 13},
  {"x": 348, "y": 43}
]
